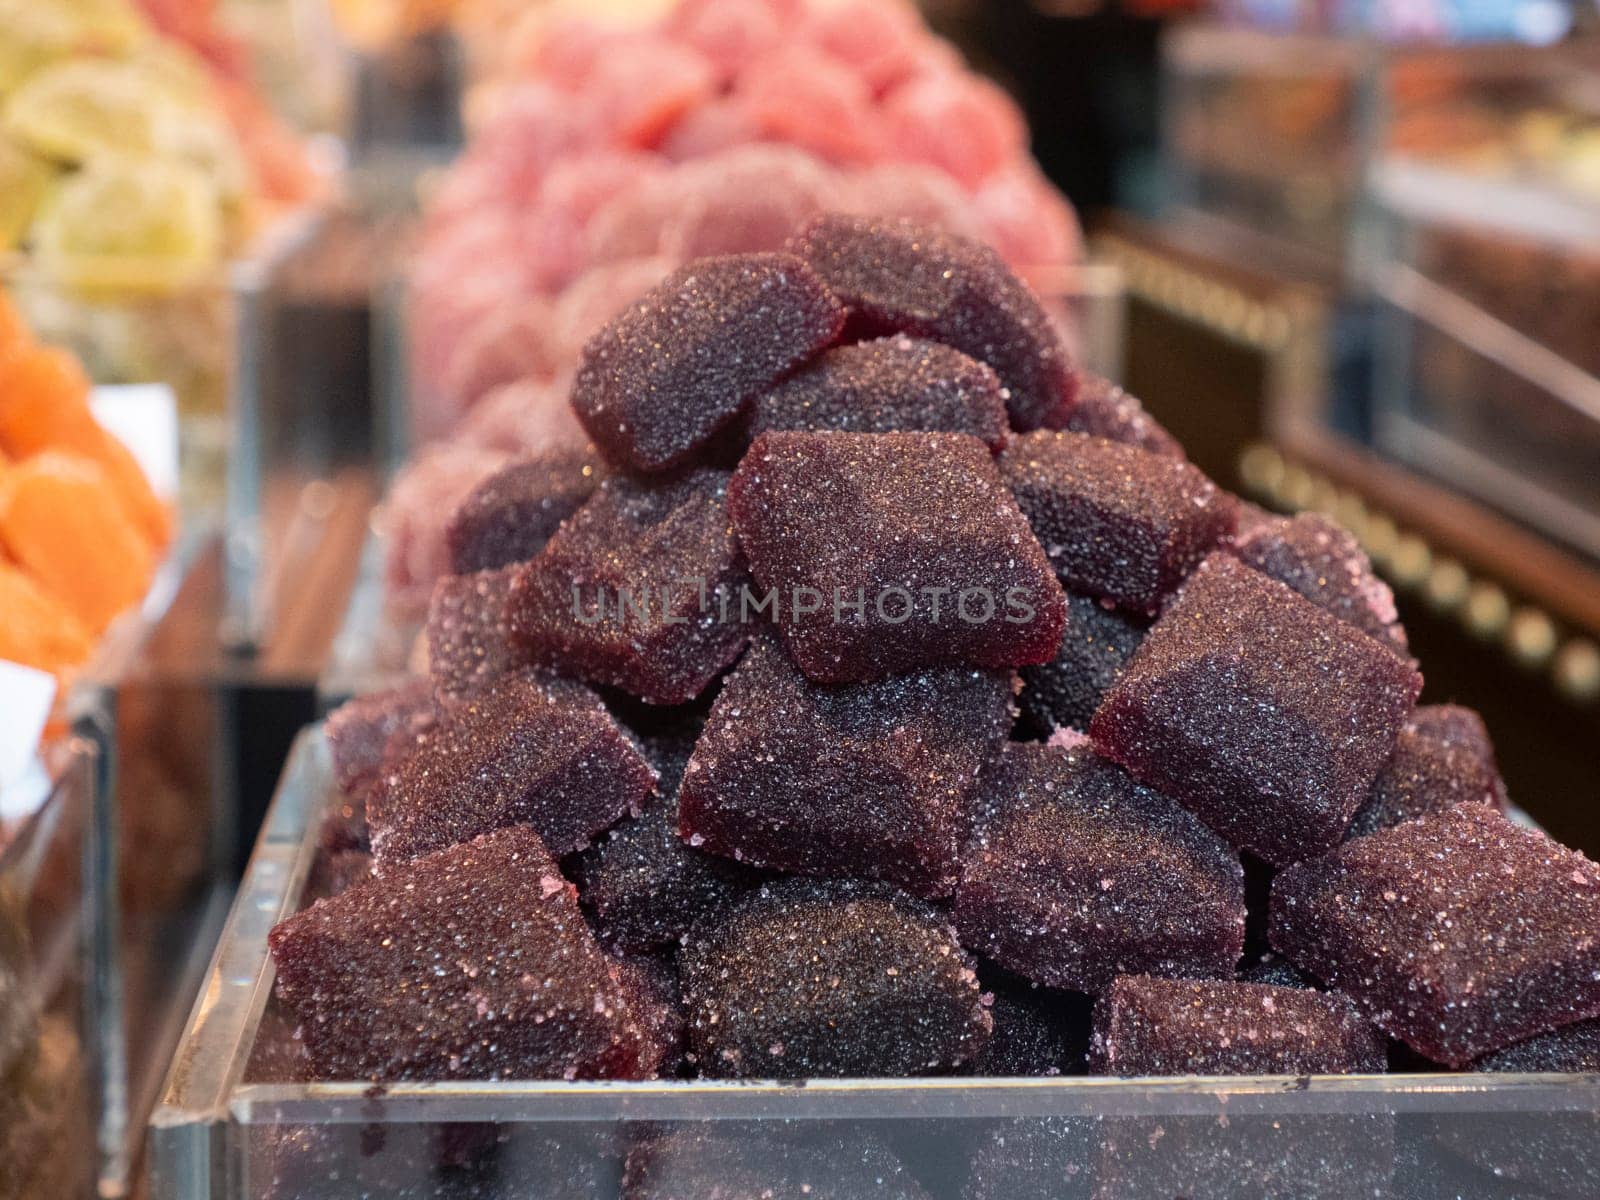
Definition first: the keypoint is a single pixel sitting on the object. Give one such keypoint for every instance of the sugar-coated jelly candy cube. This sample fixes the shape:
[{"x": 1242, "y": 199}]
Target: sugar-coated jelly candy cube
[
  {"x": 656, "y": 996},
  {"x": 1037, "y": 1030},
  {"x": 657, "y": 383},
  {"x": 811, "y": 978},
  {"x": 644, "y": 886},
  {"x": 766, "y": 1160},
  {"x": 893, "y": 383},
  {"x": 1071, "y": 871},
  {"x": 859, "y": 780},
  {"x": 469, "y": 632},
  {"x": 1460, "y": 933},
  {"x": 1149, "y": 1026},
  {"x": 333, "y": 872},
  {"x": 473, "y": 963},
  {"x": 1064, "y": 692},
  {"x": 527, "y": 750},
  {"x": 359, "y": 729},
  {"x": 897, "y": 277},
  {"x": 1276, "y": 970},
  {"x": 883, "y": 552},
  {"x": 639, "y": 589},
  {"x": 1266, "y": 715},
  {"x": 1102, "y": 409},
  {"x": 1571, "y": 1049},
  {"x": 1442, "y": 757},
  {"x": 1323, "y": 562},
  {"x": 1118, "y": 522},
  {"x": 510, "y": 516}
]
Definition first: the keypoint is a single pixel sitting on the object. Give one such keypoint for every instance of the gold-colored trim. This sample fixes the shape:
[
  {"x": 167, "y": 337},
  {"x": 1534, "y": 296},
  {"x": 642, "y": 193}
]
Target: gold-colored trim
[{"x": 1484, "y": 607}]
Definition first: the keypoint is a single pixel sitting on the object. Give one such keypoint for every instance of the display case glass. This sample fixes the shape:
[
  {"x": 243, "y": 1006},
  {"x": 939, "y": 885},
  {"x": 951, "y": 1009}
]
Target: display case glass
[{"x": 237, "y": 1119}]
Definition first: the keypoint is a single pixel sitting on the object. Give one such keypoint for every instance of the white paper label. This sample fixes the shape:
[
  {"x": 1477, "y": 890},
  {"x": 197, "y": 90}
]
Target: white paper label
[
  {"x": 144, "y": 418},
  {"x": 26, "y": 697}
]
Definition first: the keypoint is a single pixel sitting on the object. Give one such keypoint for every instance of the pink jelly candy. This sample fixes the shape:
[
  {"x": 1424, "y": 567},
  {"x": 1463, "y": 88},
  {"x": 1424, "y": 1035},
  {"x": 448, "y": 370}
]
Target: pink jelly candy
[
  {"x": 884, "y": 552},
  {"x": 1102, "y": 409},
  {"x": 815, "y": 978},
  {"x": 898, "y": 277},
  {"x": 527, "y": 750},
  {"x": 1263, "y": 713},
  {"x": 660, "y": 380},
  {"x": 1442, "y": 757},
  {"x": 895, "y": 383},
  {"x": 639, "y": 589},
  {"x": 960, "y": 122},
  {"x": 509, "y": 516},
  {"x": 1460, "y": 933},
  {"x": 473, "y": 963},
  {"x": 1070, "y": 874},
  {"x": 1118, "y": 523},
  {"x": 1323, "y": 562},
  {"x": 1064, "y": 692},
  {"x": 1149, "y": 1026},
  {"x": 867, "y": 780}
]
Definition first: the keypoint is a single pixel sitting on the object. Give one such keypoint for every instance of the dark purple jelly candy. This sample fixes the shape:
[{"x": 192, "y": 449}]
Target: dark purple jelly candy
[
  {"x": 663, "y": 376},
  {"x": 1102, "y": 409},
  {"x": 1037, "y": 1030},
  {"x": 1149, "y": 1026},
  {"x": 469, "y": 632},
  {"x": 656, "y": 996},
  {"x": 1071, "y": 871},
  {"x": 1442, "y": 757},
  {"x": 897, "y": 277},
  {"x": 359, "y": 729},
  {"x": 337, "y": 871},
  {"x": 719, "y": 1160},
  {"x": 1118, "y": 523},
  {"x": 529, "y": 750},
  {"x": 1460, "y": 933},
  {"x": 1037, "y": 1158},
  {"x": 1263, "y": 713},
  {"x": 865, "y": 780},
  {"x": 644, "y": 886},
  {"x": 473, "y": 963},
  {"x": 894, "y": 383},
  {"x": 1571, "y": 1050},
  {"x": 1323, "y": 562},
  {"x": 640, "y": 589},
  {"x": 811, "y": 978},
  {"x": 879, "y": 553},
  {"x": 509, "y": 517},
  {"x": 1098, "y": 642},
  {"x": 1276, "y": 970}
]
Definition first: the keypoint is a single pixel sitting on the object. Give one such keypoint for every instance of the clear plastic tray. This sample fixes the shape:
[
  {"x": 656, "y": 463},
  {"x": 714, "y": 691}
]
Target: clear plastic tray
[
  {"x": 53, "y": 892},
  {"x": 234, "y": 1123}
]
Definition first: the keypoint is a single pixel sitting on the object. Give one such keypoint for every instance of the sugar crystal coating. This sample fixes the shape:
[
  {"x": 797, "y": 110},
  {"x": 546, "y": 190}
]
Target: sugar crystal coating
[
  {"x": 631, "y": 591},
  {"x": 358, "y": 729},
  {"x": 1098, "y": 642},
  {"x": 867, "y": 780},
  {"x": 1071, "y": 872},
  {"x": 812, "y": 978},
  {"x": 528, "y": 750},
  {"x": 655, "y": 995},
  {"x": 1460, "y": 933},
  {"x": 893, "y": 383},
  {"x": 1572, "y": 1049},
  {"x": 473, "y": 963},
  {"x": 910, "y": 539},
  {"x": 510, "y": 516},
  {"x": 662, "y": 377},
  {"x": 468, "y": 631},
  {"x": 766, "y": 1161},
  {"x": 1263, "y": 713},
  {"x": 642, "y": 884},
  {"x": 1118, "y": 522},
  {"x": 1037, "y": 1030},
  {"x": 1102, "y": 409},
  {"x": 1277, "y": 971},
  {"x": 1149, "y": 1026},
  {"x": 1442, "y": 757},
  {"x": 1323, "y": 562},
  {"x": 898, "y": 277}
]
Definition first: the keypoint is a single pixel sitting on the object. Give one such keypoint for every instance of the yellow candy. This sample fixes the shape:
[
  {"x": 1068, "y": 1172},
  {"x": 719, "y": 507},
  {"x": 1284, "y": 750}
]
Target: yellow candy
[
  {"x": 36, "y": 35},
  {"x": 76, "y": 110},
  {"x": 24, "y": 182},
  {"x": 126, "y": 225}
]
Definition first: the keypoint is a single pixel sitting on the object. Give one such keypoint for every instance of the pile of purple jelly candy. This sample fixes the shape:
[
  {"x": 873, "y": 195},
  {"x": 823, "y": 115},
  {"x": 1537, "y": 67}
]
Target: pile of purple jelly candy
[{"x": 886, "y": 696}]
